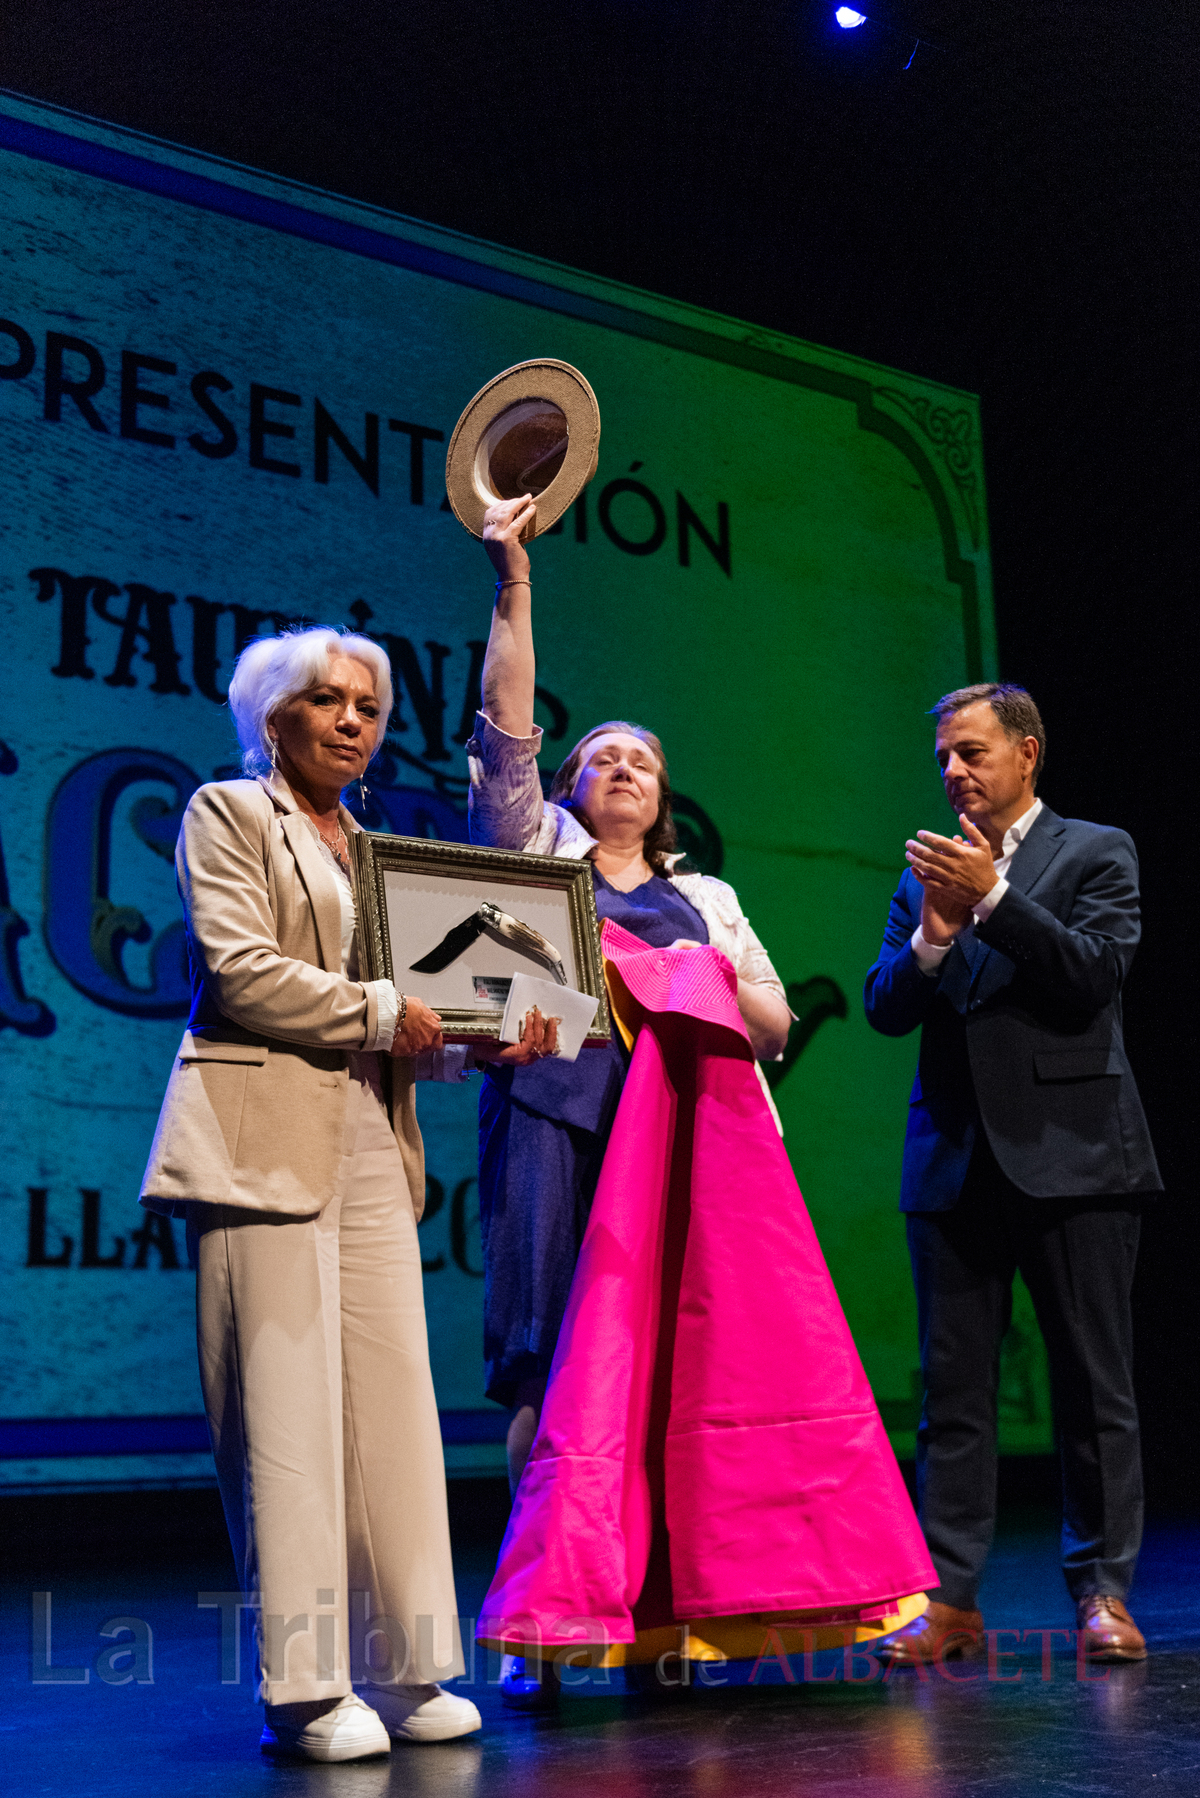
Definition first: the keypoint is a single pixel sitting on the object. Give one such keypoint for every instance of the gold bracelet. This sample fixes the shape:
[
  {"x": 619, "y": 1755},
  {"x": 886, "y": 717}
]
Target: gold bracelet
[{"x": 500, "y": 585}]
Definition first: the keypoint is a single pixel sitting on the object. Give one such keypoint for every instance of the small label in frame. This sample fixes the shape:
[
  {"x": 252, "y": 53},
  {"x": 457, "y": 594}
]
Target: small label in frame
[{"x": 492, "y": 989}]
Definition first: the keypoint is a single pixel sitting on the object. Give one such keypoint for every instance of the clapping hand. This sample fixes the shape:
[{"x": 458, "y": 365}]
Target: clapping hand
[{"x": 955, "y": 873}]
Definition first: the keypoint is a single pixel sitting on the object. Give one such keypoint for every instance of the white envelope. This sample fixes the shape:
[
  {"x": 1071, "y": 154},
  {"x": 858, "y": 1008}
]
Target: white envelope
[{"x": 574, "y": 1011}]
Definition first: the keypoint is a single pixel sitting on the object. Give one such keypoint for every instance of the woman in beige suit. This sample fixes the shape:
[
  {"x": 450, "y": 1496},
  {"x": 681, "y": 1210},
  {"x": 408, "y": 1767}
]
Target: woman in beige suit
[{"x": 289, "y": 1141}]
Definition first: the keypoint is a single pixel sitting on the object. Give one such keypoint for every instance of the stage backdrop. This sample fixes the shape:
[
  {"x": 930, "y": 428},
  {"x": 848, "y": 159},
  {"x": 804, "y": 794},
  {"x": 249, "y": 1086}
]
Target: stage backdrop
[{"x": 224, "y": 404}]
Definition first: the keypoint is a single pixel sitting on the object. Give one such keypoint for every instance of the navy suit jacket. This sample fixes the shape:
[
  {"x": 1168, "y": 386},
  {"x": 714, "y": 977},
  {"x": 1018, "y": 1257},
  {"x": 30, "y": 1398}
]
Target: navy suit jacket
[{"x": 1021, "y": 1026}]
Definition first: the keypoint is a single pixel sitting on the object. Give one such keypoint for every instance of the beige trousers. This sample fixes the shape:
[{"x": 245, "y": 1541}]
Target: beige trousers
[{"x": 314, "y": 1361}]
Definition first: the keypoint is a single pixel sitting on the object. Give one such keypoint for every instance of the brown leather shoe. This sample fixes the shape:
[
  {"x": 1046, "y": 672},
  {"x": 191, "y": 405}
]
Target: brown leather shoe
[
  {"x": 943, "y": 1633},
  {"x": 1109, "y": 1632}
]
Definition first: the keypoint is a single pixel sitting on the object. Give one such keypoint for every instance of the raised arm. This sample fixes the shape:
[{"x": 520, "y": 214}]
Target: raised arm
[{"x": 509, "y": 667}]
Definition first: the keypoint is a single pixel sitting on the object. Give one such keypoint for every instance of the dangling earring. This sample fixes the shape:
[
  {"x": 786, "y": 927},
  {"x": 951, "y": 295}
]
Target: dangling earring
[
  {"x": 363, "y": 792},
  {"x": 274, "y": 758}
]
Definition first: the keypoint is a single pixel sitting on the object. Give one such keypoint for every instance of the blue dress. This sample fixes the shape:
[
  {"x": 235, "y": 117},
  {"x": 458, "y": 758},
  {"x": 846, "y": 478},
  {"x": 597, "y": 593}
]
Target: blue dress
[{"x": 543, "y": 1131}]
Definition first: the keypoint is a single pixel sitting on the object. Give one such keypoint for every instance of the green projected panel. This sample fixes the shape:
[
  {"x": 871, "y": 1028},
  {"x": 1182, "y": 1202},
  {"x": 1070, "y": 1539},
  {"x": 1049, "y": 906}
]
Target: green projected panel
[{"x": 225, "y": 400}]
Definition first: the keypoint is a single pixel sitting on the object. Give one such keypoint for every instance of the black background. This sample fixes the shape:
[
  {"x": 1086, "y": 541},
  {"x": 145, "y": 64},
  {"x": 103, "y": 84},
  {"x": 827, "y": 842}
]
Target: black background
[{"x": 1012, "y": 214}]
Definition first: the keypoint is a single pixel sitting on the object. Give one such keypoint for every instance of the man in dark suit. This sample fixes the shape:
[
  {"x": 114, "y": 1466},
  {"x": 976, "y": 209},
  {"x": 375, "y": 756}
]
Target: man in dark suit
[{"x": 1027, "y": 1149}]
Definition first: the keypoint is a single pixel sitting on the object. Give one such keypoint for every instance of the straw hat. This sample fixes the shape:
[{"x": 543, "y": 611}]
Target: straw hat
[{"x": 533, "y": 429}]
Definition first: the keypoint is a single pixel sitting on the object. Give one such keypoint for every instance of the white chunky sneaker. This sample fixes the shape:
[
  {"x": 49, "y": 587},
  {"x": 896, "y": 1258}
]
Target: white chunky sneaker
[
  {"x": 346, "y": 1731},
  {"x": 423, "y": 1713}
]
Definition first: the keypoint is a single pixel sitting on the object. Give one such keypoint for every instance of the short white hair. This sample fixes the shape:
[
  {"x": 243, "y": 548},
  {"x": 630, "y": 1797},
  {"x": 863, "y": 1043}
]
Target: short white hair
[{"x": 271, "y": 671}]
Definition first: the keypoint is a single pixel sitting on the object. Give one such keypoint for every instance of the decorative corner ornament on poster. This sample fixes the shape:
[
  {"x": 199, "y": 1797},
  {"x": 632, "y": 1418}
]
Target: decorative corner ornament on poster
[{"x": 454, "y": 925}]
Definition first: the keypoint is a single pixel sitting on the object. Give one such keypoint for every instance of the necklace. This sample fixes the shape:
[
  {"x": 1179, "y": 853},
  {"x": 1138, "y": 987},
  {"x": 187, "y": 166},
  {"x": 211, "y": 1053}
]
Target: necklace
[
  {"x": 625, "y": 884},
  {"x": 338, "y": 848}
]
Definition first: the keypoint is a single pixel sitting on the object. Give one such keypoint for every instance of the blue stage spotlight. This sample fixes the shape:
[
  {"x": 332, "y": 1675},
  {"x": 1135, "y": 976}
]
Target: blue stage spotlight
[{"x": 848, "y": 19}]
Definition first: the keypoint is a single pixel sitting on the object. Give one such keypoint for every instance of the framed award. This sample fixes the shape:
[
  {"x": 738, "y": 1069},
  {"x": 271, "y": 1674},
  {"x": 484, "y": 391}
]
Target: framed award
[{"x": 453, "y": 924}]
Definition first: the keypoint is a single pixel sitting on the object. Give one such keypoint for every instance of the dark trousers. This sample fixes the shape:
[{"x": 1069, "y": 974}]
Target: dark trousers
[{"x": 1077, "y": 1259}]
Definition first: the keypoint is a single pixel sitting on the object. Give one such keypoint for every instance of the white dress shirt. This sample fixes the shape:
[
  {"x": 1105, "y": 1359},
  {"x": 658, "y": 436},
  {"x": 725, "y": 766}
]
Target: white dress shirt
[
  {"x": 388, "y": 1001},
  {"x": 930, "y": 956}
]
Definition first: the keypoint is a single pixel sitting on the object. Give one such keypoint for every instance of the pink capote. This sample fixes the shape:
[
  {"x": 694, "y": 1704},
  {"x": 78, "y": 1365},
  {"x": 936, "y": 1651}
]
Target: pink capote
[{"x": 709, "y": 1445}]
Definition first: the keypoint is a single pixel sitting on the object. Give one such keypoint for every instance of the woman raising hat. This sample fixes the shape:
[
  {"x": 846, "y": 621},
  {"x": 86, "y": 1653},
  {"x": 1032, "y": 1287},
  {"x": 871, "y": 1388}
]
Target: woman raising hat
[{"x": 544, "y": 1127}]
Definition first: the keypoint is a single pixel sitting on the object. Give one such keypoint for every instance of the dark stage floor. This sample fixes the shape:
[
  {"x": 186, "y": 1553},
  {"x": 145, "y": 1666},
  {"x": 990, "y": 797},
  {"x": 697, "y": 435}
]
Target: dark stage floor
[{"x": 1138, "y": 1730}]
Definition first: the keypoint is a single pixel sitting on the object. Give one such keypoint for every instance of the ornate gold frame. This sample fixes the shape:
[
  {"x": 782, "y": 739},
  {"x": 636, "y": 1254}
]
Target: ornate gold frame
[{"x": 375, "y": 854}]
